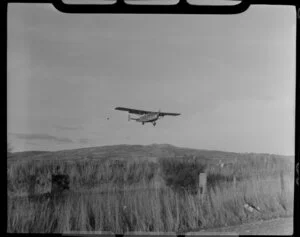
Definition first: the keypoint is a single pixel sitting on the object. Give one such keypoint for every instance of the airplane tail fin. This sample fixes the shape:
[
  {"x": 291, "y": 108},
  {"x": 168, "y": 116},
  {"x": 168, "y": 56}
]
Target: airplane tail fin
[{"x": 129, "y": 118}]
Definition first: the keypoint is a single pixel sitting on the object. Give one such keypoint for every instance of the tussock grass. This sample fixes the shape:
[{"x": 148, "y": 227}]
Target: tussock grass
[{"x": 120, "y": 196}]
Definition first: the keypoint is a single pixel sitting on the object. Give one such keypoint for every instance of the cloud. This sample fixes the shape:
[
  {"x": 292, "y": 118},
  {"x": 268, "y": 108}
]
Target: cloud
[
  {"x": 42, "y": 137},
  {"x": 68, "y": 127},
  {"x": 83, "y": 141},
  {"x": 32, "y": 143}
]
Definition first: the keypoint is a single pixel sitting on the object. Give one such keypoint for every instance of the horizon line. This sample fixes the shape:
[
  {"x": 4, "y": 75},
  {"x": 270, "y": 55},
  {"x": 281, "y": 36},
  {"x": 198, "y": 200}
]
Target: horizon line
[{"x": 155, "y": 144}]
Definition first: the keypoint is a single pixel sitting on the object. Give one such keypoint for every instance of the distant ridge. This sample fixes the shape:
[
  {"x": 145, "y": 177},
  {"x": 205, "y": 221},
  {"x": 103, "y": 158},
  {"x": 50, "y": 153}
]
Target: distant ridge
[{"x": 125, "y": 151}]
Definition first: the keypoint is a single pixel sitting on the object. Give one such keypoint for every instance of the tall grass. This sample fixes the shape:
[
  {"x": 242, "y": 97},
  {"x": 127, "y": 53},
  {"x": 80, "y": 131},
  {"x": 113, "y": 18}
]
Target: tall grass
[
  {"x": 83, "y": 174},
  {"x": 121, "y": 197}
]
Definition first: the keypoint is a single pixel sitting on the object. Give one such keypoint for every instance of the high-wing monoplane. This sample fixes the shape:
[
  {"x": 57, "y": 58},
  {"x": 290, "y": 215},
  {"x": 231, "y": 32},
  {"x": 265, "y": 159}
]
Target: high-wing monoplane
[{"x": 146, "y": 116}]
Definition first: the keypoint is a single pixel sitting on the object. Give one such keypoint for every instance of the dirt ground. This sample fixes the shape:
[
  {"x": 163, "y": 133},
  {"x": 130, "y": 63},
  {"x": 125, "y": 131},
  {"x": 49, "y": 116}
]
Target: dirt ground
[{"x": 281, "y": 226}]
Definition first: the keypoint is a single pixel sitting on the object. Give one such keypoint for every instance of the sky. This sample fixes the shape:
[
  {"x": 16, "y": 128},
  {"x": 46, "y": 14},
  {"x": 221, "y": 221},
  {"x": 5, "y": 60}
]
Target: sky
[{"x": 232, "y": 78}]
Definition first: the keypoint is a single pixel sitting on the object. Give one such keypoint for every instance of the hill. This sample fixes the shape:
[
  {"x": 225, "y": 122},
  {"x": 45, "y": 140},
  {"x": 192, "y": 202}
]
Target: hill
[{"x": 136, "y": 152}]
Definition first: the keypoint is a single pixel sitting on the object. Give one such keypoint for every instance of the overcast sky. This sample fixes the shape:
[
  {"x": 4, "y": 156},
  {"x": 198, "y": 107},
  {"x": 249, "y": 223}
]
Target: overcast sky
[{"x": 232, "y": 78}]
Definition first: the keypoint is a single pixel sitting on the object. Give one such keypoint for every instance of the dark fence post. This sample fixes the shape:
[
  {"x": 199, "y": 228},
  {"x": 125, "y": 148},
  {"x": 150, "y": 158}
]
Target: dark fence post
[
  {"x": 32, "y": 181},
  {"x": 59, "y": 183}
]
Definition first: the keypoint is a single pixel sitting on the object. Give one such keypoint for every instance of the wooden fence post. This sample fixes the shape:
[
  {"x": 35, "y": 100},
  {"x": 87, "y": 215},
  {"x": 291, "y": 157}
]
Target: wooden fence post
[
  {"x": 202, "y": 185},
  {"x": 234, "y": 181},
  {"x": 282, "y": 181}
]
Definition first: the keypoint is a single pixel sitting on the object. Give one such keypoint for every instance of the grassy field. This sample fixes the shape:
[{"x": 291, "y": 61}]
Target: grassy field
[{"x": 122, "y": 196}]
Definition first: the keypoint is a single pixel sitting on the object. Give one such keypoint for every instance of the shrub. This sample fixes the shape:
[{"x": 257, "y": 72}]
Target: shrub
[{"x": 181, "y": 175}]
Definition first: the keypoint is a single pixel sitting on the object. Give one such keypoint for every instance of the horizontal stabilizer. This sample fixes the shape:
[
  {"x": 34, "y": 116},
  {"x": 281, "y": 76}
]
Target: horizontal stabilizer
[{"x": 129, "y": 118}]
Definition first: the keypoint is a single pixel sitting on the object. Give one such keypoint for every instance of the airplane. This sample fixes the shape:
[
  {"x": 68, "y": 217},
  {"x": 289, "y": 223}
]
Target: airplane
[{"x": 146, "y": 116}]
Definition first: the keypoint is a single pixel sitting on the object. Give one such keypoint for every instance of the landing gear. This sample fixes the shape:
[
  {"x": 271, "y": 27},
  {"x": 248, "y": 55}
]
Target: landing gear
[
  {"x": 154, "y": 123},
  {"x": 143, "y": 123}
]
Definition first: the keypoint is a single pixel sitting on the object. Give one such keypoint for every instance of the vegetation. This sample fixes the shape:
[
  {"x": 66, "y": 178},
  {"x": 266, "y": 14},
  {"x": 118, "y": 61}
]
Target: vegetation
[
  {"x": 9, "y": 150},
  {"x": 120, "y": 196},
  {"x": 182, "y": 174}
]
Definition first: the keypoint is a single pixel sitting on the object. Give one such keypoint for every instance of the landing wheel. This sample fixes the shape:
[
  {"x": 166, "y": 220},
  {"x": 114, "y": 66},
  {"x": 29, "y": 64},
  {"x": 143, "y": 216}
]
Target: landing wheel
[
  {"x": 154, "y": 124},
  {"x": 143, "y": 123}
]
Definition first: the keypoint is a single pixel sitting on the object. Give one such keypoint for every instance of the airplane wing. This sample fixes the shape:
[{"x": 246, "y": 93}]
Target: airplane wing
[
  {"x": 133, "y": 111},
  {"x": 171, "y": 114}
]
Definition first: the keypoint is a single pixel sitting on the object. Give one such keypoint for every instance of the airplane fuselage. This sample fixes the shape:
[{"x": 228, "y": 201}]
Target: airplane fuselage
[{"x": 148, "y": 118}]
